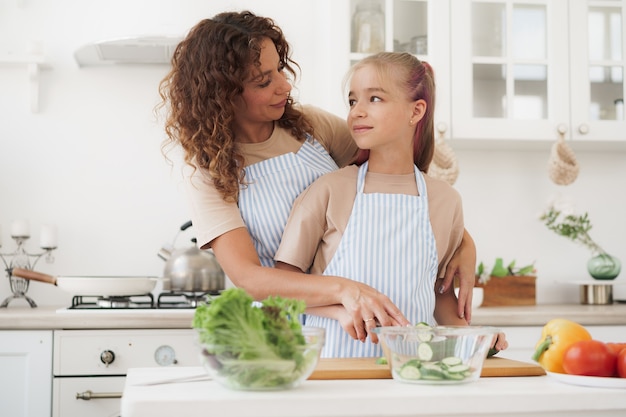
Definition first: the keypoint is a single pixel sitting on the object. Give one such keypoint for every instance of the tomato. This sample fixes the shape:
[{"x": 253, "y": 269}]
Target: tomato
[
  {"x": 616, "y": 347},
  {"x": 621, "y": 364},
  {"x": 589, "y": 357}
]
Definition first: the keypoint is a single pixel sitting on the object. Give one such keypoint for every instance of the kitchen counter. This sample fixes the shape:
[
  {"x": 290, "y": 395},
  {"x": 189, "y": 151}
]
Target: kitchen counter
[
  {"x": 538, "y": 315},
  {"x": 41, "y": 318},
  {"x": 368, "y": 397},
  {"x": 58, "y": 318}
]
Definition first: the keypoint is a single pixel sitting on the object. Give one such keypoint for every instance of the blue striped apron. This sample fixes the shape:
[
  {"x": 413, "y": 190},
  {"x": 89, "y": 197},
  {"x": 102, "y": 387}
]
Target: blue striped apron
[
  {"x": 274, "y": 184},
  {"x": 388, "y": 244}
]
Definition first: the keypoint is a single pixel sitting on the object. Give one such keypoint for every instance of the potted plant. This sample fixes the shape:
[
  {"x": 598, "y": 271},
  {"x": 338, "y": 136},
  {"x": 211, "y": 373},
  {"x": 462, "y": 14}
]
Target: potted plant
[
  {"x": 506, "y": 285},
  {"x": 564, "y": 222}
]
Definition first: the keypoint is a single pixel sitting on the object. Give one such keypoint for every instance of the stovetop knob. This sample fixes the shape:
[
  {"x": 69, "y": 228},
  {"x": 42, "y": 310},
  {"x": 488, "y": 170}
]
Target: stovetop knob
[{"x": 107, "y": 357}]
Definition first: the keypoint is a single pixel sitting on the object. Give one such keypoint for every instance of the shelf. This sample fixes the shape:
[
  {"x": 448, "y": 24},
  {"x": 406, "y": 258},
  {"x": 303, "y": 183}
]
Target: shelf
[{"x": 33, "y": 64}]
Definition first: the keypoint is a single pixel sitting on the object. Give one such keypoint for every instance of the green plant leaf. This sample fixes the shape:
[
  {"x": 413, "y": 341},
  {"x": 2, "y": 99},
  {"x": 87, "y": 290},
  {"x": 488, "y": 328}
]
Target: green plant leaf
[
  {"x": 481, "y": 269},
  {"x": 526, "y": 270},
  {"x": 498, "y": 269}
]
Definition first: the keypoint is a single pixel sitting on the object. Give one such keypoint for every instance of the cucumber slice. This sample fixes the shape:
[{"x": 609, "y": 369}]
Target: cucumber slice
[
  {"x": 413, "y": 362},
  {"x": 456, "y": 377},
  {"x": 410, "y": 372},
  {"x": 432, "y": 371},
  {"x": 424, "y": 352},
  {"x": 458, "y": 369},
  {"x": 424, "y": 336},
  {"x": 381, "y": 361},
  {"x": 451, "y": 361}
]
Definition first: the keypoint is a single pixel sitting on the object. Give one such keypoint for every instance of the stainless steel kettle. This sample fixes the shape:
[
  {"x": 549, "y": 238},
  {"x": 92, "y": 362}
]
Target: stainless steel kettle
[{"x": 191, "y": 269}]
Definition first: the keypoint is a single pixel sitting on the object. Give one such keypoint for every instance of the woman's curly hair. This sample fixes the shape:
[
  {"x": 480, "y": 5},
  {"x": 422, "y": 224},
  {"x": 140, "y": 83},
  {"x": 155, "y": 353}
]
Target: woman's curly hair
[{"x": 208, "y": 71}]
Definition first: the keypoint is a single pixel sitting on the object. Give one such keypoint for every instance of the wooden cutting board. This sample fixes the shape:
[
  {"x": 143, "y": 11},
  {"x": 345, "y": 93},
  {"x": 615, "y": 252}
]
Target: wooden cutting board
[{"x": 366, "y": 368}]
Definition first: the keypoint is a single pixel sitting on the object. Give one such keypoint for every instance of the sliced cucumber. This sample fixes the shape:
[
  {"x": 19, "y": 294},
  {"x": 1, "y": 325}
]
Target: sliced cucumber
[
  {"x": 424, "y": 336},
  {"x": 450, "y": 368},
  {"x": 456, "y": 377},
  {"x": 432, "y": 371},
  {"x": 413, "y": 362},
  {"x": 458, "y": 369},
  {"x": 410, "y": 372},
  {"x": 381, "y": 361},
  {"x": 451, "y": 361},
  {"x": 424, "y": 352}
]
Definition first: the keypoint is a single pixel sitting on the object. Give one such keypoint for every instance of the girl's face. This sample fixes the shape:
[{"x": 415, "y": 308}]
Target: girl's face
[
  {"x": 265, "y": 91},
  {"x": 381, "y": 117}
]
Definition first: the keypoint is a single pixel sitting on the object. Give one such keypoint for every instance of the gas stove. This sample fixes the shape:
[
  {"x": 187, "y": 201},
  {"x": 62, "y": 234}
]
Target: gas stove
[{"x": 165, "y": 300}]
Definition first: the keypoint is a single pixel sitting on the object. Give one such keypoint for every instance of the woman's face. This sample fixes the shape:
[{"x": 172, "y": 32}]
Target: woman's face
[{"x": 265, "y": 91}]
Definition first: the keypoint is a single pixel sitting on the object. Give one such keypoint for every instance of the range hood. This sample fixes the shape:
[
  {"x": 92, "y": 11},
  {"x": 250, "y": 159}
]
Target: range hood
[{"x": 157, "y": 50}]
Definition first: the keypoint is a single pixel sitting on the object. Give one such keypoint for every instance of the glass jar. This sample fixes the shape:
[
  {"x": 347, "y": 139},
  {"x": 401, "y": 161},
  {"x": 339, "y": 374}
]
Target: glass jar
[{"x": 368, "y": 27}]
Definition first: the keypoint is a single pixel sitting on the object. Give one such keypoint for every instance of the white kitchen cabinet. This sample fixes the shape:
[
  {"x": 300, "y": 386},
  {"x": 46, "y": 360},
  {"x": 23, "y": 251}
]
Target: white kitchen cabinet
[
  {"x": 597, "y": 65},
  {"x": 416, "y": 26},
  {"x": 528, "y": 70},
  {"x": 531, "y": 69},
  {"x": 26, "y": 373},
  {"x": 88, "y": 396},
  {"x": 522, "y": 339}
]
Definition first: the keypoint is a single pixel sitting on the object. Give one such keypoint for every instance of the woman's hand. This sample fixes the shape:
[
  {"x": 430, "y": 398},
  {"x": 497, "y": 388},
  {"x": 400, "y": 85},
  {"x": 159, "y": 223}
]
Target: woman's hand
[
  {"x": 462, "y": 265},
  {"x": 369, "y": 308}
]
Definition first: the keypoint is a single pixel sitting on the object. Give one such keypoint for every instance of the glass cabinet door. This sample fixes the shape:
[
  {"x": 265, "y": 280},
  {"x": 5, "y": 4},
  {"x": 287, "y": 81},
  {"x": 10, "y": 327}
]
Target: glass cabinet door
[
  {"x": 509, "y": 69},
  {"x": 598, "y": 57},
  {"x": 419, "y": 27}
]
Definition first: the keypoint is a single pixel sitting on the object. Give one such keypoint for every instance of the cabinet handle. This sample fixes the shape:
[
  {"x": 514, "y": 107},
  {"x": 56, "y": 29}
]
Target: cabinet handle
[
  {"x": 583, "y": 129},
  {"x": 88, "y": 395}
]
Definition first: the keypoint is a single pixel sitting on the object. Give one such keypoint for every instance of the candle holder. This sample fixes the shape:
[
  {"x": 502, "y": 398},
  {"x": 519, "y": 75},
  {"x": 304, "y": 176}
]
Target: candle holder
[{"x": 20, "y": 258}]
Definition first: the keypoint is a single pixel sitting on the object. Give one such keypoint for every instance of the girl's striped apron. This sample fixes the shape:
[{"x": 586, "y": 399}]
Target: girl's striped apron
[
  {"x": 274, "y": 184},
  {"x": 388, "y": 244}
]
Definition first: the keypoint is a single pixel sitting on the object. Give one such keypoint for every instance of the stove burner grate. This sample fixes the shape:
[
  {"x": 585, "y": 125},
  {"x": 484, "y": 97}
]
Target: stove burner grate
[
  {"x": 94, "y": 302},
  {"x": 184, "y": 299}
]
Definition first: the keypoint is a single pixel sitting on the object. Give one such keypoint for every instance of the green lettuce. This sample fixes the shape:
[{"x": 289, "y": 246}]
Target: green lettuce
[{"x": 254, "y": 346}]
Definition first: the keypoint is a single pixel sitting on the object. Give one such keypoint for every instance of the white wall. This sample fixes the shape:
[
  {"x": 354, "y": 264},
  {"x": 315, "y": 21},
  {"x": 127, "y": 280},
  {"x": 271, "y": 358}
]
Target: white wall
[{"x": 89, "y": 161}]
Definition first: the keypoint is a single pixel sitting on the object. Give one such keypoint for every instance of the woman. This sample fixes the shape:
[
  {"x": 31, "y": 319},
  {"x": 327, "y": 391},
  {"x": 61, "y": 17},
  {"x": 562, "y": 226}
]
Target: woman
[{"x": 251, "y": 151}]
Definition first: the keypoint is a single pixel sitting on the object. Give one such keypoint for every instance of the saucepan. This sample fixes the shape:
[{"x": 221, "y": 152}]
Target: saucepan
[{"x": 104, "y": 286}]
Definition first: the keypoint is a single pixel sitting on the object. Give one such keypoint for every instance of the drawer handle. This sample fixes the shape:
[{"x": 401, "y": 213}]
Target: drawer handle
[{"x": 88, "y": 395}]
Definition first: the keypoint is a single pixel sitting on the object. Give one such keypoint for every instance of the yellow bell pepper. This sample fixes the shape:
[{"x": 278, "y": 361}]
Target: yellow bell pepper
[{"x": 556, "y": 336}]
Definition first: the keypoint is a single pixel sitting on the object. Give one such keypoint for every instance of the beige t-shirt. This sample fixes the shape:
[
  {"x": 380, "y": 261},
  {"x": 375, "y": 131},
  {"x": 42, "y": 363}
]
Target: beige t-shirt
[
  {"x": 212, "y": 216},
  {"x": 320, "y": 216}
]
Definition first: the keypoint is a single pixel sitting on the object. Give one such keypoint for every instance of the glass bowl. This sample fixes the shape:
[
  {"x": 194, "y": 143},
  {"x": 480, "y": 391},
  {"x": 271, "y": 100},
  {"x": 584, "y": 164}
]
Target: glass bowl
[
  {"x": 436, "y": 355},
  {"x": 263, "y": 374}
]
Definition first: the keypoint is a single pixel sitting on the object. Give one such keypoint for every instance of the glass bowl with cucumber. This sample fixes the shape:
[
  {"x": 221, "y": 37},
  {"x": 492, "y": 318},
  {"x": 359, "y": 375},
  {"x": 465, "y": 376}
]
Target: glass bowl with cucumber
[{"x": 423, "y": 354}]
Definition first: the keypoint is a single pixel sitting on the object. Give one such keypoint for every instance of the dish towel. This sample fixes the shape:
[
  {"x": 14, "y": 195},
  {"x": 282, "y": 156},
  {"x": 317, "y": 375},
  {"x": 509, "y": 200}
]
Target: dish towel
[
  {"x": 444, "y": 165},
  {"x": 562, "y": 165}
]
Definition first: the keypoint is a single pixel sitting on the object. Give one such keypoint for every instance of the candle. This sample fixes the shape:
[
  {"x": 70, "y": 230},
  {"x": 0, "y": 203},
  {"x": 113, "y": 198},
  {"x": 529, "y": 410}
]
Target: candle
[
  {"x": 48, "y": 238},
  {"x": 20, "y": 228}
]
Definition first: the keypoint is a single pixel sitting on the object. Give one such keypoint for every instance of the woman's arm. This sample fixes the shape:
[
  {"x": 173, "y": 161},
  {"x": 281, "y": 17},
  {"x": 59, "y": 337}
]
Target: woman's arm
[
  {"x": 335, "y": 312},
  {"x": 462, "y": 265},
  {"x": 236, "y": 255}
]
